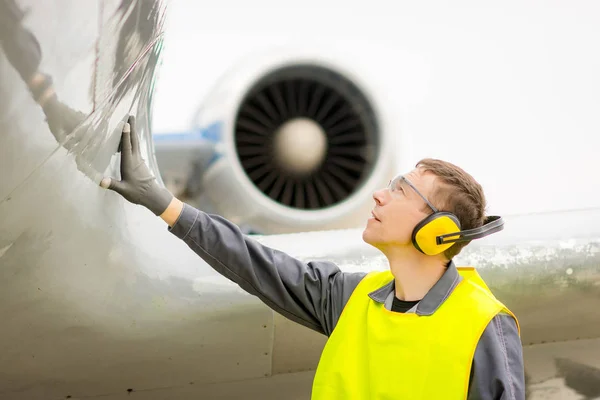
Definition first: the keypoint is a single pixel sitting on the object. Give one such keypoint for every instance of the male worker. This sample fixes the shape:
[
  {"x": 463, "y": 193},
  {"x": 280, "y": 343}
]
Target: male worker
[{"x": 421, "y": 330}]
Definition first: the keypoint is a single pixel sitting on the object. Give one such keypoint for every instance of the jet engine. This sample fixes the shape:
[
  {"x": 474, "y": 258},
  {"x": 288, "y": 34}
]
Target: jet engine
[{"x": 299, "y": 143}]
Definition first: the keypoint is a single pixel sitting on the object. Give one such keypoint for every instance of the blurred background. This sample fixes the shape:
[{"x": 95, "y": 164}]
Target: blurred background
[{"x": 506, "y": 90}]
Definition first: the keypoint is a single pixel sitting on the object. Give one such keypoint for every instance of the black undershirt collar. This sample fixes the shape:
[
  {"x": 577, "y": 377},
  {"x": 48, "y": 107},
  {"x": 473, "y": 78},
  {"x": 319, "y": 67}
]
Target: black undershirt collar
[{"x": 403, "y": 306}]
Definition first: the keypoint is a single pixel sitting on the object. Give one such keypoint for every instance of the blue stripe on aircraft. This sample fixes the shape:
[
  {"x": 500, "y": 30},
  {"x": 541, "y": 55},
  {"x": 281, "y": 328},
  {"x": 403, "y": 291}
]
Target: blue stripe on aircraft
[{"x": 211, "y": 133}]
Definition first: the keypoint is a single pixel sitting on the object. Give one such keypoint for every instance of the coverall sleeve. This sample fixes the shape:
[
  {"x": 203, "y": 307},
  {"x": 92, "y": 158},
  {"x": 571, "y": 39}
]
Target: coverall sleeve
[
  {"x": 312, "y": 294},
  {"x": 498, "y": 371}
]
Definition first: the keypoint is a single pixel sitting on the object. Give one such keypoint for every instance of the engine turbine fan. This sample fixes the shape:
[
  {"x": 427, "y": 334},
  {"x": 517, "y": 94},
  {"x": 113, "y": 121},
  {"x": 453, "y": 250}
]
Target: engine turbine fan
[
  {"x": 302, "y": 146},
  {"x": 306, "y": 137}
]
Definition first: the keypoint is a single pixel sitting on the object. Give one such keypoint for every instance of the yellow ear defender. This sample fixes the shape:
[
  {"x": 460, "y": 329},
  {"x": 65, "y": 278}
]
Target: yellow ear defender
[{"x": 440, "y": 230}]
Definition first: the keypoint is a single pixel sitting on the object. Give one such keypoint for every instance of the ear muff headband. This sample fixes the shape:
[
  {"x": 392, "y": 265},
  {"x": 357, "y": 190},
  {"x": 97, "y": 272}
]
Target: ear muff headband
[
  {"x": 439, "y": 231},
  {"x": 491, "y": 225}
]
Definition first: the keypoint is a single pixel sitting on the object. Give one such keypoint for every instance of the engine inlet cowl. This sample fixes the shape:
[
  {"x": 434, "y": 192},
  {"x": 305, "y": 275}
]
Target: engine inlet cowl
[{"x": 306, "y": 136}]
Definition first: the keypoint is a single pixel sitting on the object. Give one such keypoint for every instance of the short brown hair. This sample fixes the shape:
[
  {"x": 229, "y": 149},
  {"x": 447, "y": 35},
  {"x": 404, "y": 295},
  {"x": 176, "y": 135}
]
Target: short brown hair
[{"x": 459, "y": 193}]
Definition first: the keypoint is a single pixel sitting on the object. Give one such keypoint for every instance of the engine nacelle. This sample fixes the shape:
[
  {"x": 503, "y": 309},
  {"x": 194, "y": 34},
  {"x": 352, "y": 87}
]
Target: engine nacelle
[{"x": 301, "y": 144}]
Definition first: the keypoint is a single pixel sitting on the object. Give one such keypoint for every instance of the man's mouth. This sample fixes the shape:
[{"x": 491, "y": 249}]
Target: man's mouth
[{"x": 374, "y": 216}]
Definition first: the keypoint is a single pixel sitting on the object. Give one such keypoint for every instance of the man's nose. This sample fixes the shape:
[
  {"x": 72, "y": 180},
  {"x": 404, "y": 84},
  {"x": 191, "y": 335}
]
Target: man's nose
[{"x": 379, "y": 196}]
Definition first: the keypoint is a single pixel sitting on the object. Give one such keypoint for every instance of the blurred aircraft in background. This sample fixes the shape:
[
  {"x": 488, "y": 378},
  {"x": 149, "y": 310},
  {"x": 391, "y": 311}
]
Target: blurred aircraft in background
[
  {"x": 508, "y": 91},
  {"x": 282, "y": 118}
]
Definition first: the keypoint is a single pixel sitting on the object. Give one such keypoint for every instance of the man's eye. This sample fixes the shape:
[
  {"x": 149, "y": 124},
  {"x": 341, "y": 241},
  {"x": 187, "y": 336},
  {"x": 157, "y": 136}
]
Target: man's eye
[{"x": 396, "y": 188}]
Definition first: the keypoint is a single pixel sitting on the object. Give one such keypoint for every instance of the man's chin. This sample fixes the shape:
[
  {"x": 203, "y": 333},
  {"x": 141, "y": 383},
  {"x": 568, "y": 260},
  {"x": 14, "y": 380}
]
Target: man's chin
[
  {"x": 371, "y": 238},
  {"x": 366, "y": 237}
]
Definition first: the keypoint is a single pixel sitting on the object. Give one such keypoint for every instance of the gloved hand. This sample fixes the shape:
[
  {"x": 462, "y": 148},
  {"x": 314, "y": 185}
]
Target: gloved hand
[{"x": 137, "y": 184}]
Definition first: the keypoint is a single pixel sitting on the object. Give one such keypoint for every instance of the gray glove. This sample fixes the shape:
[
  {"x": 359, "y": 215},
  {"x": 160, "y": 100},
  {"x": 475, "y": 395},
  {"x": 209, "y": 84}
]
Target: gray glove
[{"x": 137, "y": 184}]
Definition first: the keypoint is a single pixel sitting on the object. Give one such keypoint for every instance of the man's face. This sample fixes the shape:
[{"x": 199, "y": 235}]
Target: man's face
[{"x": 398, "y": 209}]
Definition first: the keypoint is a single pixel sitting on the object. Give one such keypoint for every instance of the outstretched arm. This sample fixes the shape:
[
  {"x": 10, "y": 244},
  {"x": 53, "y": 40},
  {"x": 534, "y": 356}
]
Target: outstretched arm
[{"x": 312, "y": 294}]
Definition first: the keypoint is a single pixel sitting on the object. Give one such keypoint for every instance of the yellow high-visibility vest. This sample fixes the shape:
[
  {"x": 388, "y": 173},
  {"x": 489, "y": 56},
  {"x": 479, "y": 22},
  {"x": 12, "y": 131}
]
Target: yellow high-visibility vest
[{"x": 374, "y": 353}]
